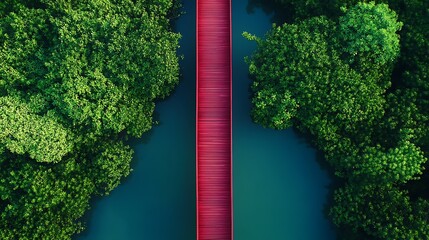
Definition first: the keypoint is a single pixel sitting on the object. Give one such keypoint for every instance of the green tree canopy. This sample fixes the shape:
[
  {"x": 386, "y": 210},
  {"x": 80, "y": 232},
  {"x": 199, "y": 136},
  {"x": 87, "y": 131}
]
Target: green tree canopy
[
  {"x": 384, "y": 212},
  {"x": 396, "y": 165},
  {"x": 357, "y": 82},
  {"x": 368, "y": 32},
  {"x": 299, "y": 74},
  {"x": 22, "y": 131},
  {"x": 77, "y": 79}
]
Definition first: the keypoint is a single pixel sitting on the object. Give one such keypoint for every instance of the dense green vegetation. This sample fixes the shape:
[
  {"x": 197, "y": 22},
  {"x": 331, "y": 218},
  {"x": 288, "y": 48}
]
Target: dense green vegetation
[
  {"x": 77, "y": 78},
  {"x": 355, "y": 76}
]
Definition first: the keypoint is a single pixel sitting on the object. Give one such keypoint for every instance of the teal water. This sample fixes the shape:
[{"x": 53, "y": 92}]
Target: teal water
[
  {"x": 157, "y": 201},
  {"x": 280, "y": 190}
]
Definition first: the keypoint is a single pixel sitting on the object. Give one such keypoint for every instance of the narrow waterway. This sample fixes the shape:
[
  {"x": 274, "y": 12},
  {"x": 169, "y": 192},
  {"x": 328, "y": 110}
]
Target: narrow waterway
[
  {"x": 280, "y": 189},
  {"x": 157, "y": 201}
]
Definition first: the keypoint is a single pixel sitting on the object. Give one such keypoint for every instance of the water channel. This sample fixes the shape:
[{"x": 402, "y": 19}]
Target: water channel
[{"x": 280, "y": 188}]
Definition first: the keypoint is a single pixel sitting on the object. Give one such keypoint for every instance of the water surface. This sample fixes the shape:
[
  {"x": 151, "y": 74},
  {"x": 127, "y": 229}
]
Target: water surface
[
  {"x": 280, "y": 190},
  {"x": 157, "y": 201}
]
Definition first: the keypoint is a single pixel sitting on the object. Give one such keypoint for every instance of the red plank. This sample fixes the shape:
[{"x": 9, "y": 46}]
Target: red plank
[{"x": 214, "y": 115}]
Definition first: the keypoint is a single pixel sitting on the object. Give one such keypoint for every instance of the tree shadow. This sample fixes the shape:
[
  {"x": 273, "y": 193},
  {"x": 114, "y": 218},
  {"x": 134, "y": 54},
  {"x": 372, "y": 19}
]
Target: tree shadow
[
  {"x": 342, "y": 232},
  {"x": 281, "y": 13},
  {"x": 95, "y": 199},
  {"x": 87, "y": 216},
  {"x": 418, "y": 188},
  {"x": 336, "y": 182}
]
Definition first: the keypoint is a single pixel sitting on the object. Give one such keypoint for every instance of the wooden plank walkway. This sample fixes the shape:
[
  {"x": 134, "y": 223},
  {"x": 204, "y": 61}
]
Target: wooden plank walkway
[{"x": 214, "y": 182}]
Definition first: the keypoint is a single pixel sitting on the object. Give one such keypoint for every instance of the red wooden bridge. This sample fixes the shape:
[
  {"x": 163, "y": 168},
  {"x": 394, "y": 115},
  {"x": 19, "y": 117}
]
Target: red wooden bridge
[{"x": 213, "y": 116}]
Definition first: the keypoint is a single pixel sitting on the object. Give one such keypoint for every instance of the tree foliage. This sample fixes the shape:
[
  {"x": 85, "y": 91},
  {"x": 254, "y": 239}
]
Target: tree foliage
[
  {"x": 369, "y": 33},
  {"x": 396, "y": 165},
  {"x": 385, "y": 211},
  {"x": 354, "y": 75},
  {"x": 24, "y": 132},
  {"x": 332, "y": 98},
  {"x": 77, "y": 78}
]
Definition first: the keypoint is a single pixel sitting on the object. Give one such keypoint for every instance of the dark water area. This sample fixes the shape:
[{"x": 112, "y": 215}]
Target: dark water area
[
  {"x": 278, "y": 13},
  {"x": 280, "y": 187},
  {"x": 157, "y": 201}
]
